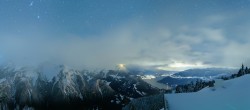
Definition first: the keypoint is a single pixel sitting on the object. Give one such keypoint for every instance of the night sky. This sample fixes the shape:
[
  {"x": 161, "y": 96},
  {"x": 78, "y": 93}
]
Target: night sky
[{"x": 163, "y": 34}]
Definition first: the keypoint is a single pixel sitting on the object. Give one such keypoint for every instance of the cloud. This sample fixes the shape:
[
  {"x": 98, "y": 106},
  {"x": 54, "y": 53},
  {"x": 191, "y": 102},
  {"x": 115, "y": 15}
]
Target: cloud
[
  {"x": 236, "y": 53},
  {"x": 131, "y": 43}
]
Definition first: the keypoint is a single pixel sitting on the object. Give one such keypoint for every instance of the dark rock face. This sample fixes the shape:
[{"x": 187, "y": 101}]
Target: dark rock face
[{"x": 70, "y": 89}]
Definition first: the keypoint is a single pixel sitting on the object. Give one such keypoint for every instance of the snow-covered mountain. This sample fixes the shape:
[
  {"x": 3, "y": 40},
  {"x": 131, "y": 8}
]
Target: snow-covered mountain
[
  {"x": 206, "y": 73},
  {"x": 192, "y": 75},
  {"x": 174, "y": 81},
  {"x": 225, "y": 95},
  {"x": 61, "y": 87}
]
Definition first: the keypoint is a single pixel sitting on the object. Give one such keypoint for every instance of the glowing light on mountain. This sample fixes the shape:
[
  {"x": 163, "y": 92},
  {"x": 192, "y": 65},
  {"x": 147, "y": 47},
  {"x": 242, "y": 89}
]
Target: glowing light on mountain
[{"x": 121, "y": 67}]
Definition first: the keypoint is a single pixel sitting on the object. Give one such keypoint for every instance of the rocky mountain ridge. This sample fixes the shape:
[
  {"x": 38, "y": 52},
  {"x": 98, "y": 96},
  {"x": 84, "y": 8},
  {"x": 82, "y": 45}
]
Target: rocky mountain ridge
[{"x": 28, "y": 88}]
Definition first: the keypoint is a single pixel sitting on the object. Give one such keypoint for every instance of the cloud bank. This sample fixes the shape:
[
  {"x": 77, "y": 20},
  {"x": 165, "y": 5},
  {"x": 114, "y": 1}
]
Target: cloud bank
[
  {"x": 137, "y": 44},
  {"x": 170, "y": 38}
]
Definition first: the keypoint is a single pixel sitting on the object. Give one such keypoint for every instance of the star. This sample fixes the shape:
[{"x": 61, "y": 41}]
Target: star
[{"x": 31, "y": 3}]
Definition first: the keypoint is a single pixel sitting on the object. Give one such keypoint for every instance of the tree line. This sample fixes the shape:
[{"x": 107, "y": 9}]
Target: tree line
[
  {"x": 194, "y": 87},
  {"x": 243, "y": 70}
]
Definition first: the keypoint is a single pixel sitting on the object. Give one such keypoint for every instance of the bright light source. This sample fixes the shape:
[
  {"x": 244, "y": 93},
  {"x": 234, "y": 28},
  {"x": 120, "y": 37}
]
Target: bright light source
[{"x": 121, "y": 67}]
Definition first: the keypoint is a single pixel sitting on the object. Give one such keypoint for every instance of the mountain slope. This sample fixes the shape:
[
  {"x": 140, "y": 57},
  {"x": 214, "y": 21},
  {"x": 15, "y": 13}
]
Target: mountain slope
[
  {"x": 66, "y": 88},
  {"x": 226, "y": 95}
]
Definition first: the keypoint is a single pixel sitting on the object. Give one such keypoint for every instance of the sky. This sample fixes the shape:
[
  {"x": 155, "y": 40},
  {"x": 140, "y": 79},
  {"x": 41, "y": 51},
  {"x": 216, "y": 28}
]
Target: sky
[{"x": 162, "y": 34}]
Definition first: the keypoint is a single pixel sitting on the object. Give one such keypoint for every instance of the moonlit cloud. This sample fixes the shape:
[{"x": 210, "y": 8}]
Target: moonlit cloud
[{"x": 180, "y": 66}]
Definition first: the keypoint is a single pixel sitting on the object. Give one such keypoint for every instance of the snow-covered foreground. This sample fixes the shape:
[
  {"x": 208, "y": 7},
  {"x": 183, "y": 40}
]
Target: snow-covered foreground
[{"x": 226, "y": 95}]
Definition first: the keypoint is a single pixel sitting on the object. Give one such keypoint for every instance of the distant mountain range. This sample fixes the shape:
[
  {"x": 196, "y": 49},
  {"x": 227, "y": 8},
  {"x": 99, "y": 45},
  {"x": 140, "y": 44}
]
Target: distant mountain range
[
  {"x": 148, "y": 71},
  {"x": 60, "y": 87},
  {"x": 207, "y": 72},
  {"x": 187, "y": 76}
]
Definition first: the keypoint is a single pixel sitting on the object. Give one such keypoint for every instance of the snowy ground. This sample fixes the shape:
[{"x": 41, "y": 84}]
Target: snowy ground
[{"x": 226, "y": 95}]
